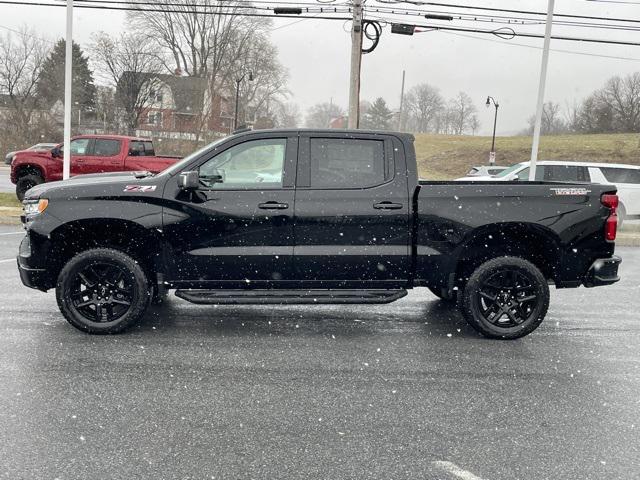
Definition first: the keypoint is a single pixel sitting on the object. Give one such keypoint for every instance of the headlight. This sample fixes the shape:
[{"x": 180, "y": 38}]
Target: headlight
[{"x": 35, "y": 207}]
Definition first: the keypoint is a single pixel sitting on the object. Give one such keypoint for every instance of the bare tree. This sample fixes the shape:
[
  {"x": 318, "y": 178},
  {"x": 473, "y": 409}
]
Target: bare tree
[
  {"x": 474, "y": 124},
  {"x": 21, "y": 57},
  {"x": 321, "y": 114},
  {"x": 288, "y": 115},
  {"x": 129, "y": 64},
  {"x": 552, "y": 122},
  {"x": 622, "y": 97},
  {"x": 462, "y": 111},
  {"x": 424, "y": 103}
]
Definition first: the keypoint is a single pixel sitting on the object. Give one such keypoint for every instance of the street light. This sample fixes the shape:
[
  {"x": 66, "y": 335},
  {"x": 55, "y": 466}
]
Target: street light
[
  {"x": 492, "y": 154},
  {"x": 238, "y": 81}
]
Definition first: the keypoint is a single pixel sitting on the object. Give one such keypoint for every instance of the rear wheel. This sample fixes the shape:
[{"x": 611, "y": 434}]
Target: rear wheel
[
  {"x": 103, "y": 291},
  {"x": 505, "y": 298},
  {"x": 26, "y": 182}
]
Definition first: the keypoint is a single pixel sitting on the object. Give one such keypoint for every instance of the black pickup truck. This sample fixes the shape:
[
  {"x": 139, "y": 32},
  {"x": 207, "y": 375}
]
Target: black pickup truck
[{"x": 312, "y": 216}]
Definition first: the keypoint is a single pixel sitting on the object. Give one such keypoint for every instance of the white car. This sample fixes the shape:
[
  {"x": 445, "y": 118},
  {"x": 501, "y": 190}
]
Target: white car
[{"x": 625, "y": 177}]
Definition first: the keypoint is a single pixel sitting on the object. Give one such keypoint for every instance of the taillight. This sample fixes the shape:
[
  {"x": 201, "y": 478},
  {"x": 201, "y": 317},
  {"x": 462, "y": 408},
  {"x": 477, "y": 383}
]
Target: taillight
[{"x": 611, "y": 201}]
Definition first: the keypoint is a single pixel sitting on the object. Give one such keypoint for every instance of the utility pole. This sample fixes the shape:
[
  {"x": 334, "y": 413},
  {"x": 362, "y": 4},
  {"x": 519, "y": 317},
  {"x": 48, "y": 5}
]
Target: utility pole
[
  {"x": 356, "y": 62},
  {"x": 68, "y": 82},
  {"x": 543, "y": 81},
  {"x": 401, "y": 103}
]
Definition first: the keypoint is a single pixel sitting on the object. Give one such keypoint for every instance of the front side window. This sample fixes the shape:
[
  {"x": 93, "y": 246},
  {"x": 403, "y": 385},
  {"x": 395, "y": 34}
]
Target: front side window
[
  {"x": 106, "y": 148},
  {"x": 256, "y": 164},
  {"x": 80, "y": 146},
  {"x": 346, "y": 163}
]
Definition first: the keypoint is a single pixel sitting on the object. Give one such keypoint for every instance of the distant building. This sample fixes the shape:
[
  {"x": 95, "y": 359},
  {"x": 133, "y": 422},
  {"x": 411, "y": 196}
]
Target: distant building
[{"x": 182, "y": 108}]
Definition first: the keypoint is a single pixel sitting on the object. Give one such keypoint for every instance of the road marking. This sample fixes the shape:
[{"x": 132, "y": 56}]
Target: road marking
[
  {"x": 12, "y": 233},
  {"x": 456, "y": 471},
  {"x": 8, "y": 260}
]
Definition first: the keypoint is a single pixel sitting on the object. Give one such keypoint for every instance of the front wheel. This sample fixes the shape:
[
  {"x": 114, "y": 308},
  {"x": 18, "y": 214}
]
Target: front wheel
[
  {"x": 26, "y": 182},
  {"x": 102, "y": 291},
  {"x": 505, "y": 298}
]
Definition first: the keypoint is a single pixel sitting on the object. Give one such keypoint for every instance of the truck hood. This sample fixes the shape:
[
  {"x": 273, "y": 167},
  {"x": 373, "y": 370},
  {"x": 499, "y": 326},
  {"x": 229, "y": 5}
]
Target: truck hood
[{"x": 91, "y": 185}]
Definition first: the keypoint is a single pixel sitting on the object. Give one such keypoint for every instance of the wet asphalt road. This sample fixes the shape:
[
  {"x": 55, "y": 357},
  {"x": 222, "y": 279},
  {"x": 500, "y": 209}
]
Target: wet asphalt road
[{"x": 403, "y": 391}]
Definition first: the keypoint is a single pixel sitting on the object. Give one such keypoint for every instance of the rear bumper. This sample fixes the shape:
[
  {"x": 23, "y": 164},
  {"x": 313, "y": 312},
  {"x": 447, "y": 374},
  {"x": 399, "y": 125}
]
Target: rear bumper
[{"x": 604, "y": 271}]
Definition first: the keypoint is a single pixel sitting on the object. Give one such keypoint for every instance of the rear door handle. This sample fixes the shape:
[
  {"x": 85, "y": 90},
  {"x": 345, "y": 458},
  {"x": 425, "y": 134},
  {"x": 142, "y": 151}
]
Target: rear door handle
[
  {"x": 387, "y": 206},
  {"x": 273, "y": 206}
]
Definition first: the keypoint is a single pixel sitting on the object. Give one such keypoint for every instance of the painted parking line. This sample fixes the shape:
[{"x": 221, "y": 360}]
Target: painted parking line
[
  {"x": 12, "y": 233},
  {"x": 452, "y": 469},
  {"x": 8, "y": 260}
]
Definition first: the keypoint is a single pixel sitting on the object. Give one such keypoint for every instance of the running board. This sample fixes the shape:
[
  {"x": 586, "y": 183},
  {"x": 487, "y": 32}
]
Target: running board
[{"x": 290, "y": 297}]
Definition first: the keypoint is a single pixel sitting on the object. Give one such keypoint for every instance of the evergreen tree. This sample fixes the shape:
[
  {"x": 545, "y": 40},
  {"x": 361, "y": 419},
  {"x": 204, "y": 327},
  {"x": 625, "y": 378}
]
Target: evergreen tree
[
  {"x": 50, "y": 86},
  {"x": 378, "y": 116}
]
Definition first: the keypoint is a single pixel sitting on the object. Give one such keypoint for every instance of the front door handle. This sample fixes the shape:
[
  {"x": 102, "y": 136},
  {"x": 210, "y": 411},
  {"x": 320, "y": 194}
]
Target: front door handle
[
  {"x": 387, "y": 206},
  {"x": 273, "y": 206}
]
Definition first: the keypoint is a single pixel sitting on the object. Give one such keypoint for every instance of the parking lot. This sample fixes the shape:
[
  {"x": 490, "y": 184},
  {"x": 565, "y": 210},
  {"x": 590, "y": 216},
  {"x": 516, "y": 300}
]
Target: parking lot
[{"x": 405, "y": 390}]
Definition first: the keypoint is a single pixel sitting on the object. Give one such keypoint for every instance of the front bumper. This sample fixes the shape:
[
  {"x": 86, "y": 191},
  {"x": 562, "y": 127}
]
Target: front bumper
[
  {"x": 33, "y": 277},
  {"x": 604, "y": 271}
]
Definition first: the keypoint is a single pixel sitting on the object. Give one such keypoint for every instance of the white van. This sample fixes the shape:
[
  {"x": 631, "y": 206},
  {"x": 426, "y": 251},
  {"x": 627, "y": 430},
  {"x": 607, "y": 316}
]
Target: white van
[{"x": 625, "y": 177}]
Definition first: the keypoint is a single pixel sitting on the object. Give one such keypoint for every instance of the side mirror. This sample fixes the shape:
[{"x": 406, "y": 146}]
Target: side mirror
[
  {"x": 189, "y": 181},
  {"x": 56, "y": 152}
]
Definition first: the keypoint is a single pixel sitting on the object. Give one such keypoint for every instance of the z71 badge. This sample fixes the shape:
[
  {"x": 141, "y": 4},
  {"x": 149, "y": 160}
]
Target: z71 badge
[
  {"x": 571, "y": 191},
  {"x": 140, "y": 188}
]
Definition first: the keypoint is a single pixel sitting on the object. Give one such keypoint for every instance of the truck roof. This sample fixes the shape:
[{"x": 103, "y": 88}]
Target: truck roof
[
  {"x": 329, "y": 131},
  {"x": 114, "y": 137}
]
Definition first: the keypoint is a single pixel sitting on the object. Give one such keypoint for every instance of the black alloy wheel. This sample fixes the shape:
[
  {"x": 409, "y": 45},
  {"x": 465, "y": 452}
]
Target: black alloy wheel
[
  {"x": 103, "y": 291},
  {"x": 508, "y": 298},
  {"x": 505, "y": 298}
]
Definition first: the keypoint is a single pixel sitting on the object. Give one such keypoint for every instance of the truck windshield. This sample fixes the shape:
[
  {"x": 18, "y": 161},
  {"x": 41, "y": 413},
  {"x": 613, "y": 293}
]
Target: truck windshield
[
  {"x": 509, "y": 170},
  {"x": 177, "y": 167}
]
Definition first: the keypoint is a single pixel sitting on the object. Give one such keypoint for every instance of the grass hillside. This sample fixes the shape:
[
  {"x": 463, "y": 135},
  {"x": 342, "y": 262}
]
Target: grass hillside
[{"x": 446, "y": 156}]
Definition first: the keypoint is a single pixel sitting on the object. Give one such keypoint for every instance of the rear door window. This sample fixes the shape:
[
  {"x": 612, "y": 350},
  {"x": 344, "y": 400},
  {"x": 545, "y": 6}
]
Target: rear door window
[
  {"x": 106, "y": 148},
  {"x": 621, "y": 175},
  {"x": 347, "y": 163},
  {"x": 566, "y": 173}
]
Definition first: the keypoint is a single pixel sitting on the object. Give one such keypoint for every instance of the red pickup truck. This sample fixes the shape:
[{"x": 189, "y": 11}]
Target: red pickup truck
[{"x": 89, "y": 154}]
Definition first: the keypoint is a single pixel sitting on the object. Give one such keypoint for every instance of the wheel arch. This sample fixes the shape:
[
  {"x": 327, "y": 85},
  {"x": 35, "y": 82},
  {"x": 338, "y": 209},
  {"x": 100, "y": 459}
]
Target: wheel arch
[
  {"x": 139, "y": 242},
  {"x": 535, "y": 243},
  {"x": 28, "y": 169}
]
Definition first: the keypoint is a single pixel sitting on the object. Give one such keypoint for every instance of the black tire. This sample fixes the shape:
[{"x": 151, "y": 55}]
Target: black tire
[
  {"x": 505, "y": 298},
  {"x": 103, "y": 291},
  {"x": 26, "y": 182},
  {"x": 442, "y": 294}
]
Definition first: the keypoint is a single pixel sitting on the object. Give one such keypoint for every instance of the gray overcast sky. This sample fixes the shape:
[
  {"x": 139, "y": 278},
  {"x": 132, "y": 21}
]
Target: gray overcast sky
[{"x": 316, "y": 54}]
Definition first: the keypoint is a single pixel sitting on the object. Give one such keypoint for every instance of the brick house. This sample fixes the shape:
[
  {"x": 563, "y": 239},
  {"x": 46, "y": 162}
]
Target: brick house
[{"x": 182, "y": 108}]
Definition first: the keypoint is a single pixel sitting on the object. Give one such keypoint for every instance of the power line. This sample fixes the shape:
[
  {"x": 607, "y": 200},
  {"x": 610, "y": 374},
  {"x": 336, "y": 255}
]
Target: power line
[
  {"x": 558, "y": 50},
  {"x": 162, "y": 10},
  {"x": 499, "y": 19},
  {"x": 510, "y": 33},
  {"x": 505, "y": 10}
]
